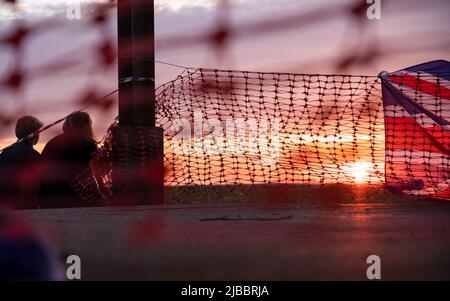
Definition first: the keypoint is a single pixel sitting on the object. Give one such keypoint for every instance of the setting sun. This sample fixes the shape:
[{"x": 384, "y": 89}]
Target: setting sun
[{"x": 359, "y": 171}]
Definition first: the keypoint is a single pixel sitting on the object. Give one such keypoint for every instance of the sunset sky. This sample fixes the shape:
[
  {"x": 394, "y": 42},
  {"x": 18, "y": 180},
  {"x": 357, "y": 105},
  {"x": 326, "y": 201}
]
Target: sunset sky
[{"x": 410, "y": 32}]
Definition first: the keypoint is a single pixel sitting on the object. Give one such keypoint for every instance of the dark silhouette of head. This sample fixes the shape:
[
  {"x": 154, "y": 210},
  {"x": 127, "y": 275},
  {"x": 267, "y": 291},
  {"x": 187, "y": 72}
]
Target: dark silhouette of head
[
  {"x": 27, "y": 125},
  {"x": 80, "y": 124}
]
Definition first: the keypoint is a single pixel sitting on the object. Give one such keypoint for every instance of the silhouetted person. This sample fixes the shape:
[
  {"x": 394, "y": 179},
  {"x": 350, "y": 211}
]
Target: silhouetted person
[
  {"x": 18, "y": 167},
  {"x": 65, "y": 157}
]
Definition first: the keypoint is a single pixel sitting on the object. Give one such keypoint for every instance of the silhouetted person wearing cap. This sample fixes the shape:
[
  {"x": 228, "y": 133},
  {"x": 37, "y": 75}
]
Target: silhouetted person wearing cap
[
  {"x": 65, "y": 157},
  {"x": 18, "y": 166}
]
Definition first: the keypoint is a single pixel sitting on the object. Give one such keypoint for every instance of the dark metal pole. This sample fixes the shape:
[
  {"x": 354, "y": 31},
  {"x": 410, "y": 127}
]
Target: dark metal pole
[
  {"x": 136, "y": 62},
  {"x": 138, "y": 169}
]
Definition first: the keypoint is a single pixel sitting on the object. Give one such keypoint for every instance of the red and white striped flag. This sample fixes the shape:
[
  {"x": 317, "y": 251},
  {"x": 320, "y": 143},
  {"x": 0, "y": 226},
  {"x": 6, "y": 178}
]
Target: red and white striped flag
[{"x": 417, "y": 114}]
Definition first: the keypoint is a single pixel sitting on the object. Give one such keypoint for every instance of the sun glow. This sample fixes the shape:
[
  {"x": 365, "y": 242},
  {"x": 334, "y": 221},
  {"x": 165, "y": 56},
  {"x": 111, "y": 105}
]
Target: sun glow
[{"x": 359, "y": 171}]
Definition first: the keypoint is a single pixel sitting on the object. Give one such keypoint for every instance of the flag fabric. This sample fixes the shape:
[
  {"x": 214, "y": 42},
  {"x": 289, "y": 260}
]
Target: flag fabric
[{"x": 417, "y": 128}]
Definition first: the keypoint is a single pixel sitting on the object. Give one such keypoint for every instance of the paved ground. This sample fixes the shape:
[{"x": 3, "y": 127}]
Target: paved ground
[{"x": 249, "y": 242}]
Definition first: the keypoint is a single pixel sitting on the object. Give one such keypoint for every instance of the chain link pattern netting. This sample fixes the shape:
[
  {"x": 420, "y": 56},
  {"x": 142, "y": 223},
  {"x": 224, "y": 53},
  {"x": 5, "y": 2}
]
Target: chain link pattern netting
[{"x": 238, "y": 128}]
